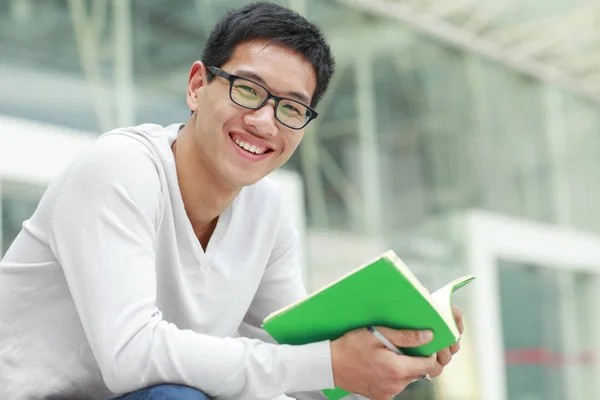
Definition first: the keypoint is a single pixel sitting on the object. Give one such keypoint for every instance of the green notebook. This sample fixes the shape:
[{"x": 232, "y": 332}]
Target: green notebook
[{"x": 383, "y": 292}]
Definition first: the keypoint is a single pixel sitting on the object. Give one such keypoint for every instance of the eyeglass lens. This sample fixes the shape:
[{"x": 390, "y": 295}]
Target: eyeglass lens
[{"x": 250, "y": 95}]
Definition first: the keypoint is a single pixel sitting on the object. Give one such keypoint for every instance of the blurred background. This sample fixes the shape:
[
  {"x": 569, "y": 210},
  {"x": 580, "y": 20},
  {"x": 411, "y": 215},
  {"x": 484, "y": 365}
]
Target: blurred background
[{"x": 463, "y": 134}]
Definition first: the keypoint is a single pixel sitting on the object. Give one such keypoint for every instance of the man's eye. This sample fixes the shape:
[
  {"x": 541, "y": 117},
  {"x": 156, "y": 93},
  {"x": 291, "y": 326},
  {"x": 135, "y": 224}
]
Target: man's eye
[
  {"x": 291, "y": 109},
  {"x": 247, "y": 89}
]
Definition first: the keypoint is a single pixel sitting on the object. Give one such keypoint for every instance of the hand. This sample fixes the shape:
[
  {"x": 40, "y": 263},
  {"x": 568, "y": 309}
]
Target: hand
[
  {"x": 363, "y": 365},
  {"x": 444, "y": 357}
]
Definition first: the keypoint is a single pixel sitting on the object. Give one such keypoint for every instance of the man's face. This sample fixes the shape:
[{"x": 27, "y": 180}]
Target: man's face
[{"x": 223, "y": 128}]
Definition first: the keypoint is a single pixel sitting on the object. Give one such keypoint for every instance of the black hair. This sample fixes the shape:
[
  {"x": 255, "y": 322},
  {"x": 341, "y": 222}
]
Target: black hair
[{"x": 277, "y": 24}]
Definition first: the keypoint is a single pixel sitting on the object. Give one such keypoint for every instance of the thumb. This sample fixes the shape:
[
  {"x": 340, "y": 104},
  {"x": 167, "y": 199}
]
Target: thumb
[{"x": 407, "y": 338}]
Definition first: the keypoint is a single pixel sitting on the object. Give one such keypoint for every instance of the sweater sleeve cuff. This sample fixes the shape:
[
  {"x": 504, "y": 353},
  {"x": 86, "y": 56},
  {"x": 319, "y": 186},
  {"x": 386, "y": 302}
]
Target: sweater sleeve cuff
[{"x": 309, "y": 367}]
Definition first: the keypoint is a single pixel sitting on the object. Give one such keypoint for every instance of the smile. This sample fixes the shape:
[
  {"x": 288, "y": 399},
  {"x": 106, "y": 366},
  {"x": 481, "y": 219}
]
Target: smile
[{"x": 250, "y": 147}]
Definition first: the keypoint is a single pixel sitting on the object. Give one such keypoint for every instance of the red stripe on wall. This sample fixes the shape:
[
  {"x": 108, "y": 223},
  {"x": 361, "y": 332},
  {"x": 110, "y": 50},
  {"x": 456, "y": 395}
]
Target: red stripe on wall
[{"x": 541, "y": 356}]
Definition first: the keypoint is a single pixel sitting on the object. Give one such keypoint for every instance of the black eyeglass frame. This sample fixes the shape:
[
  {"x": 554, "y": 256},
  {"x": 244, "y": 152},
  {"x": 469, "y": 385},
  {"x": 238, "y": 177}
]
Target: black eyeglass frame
[{"x": 231, "y": 78}]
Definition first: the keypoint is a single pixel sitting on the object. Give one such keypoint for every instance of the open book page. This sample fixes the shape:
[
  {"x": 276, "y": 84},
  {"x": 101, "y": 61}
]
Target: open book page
[
  {"x": 440, "y": 300},
  {"x": 390, "y": 255},
  {"x": 443, "y": 299}
]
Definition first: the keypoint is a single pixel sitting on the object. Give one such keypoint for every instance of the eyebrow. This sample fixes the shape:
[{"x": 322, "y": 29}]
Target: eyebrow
[{"x": 259, "y": 79}]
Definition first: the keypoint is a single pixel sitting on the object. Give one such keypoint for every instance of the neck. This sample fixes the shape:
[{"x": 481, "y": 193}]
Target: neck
[{"x": 205, "y": 197}]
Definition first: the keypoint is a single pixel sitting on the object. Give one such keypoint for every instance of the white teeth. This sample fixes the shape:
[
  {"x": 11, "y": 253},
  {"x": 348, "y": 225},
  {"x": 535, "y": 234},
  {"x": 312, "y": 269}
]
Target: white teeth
[{"x": 249, "y": 147}]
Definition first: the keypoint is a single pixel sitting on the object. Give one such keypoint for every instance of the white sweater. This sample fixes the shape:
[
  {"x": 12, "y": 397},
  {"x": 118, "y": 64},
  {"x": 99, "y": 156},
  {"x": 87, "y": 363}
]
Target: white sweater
[{"x": 107, "y": 290}]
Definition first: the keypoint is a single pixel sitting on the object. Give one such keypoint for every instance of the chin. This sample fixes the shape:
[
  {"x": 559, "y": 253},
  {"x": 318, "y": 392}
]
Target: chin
[
  {"x": 252, "y": 181},
  {"x": 245, "y": 178}
]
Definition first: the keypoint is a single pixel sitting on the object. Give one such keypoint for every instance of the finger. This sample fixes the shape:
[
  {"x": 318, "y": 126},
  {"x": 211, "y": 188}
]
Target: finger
[
  {"x": 406, "y": 338},
  {"x": 436, "y": 370},
  {"x": 425, "y": 365},
  {"x": 444, "y": 357},
  {"x": 458, "y": 317},
  {"x": 455, "y": 348},
  {"x": 406, "y": 367}
]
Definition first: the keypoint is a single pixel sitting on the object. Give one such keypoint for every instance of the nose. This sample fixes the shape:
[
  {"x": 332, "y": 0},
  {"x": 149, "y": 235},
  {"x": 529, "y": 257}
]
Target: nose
[{"x": 263, "y": 119}]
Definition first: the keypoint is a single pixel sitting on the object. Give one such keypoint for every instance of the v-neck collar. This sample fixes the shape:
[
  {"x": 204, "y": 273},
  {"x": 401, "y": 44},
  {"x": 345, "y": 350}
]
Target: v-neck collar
[{"x": 189, "y": 235}]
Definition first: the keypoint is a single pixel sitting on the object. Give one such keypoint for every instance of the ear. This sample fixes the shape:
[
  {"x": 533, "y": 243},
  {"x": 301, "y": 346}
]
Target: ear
[{"x": 196, "y": 82}]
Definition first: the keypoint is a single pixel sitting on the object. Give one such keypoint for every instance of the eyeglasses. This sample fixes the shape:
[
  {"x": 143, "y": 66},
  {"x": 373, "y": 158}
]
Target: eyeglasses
[{"x": 251, "y": 95}]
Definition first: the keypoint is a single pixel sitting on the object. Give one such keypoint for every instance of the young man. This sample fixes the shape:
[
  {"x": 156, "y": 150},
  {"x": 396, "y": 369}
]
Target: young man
[{"x": 150, "y": 263}]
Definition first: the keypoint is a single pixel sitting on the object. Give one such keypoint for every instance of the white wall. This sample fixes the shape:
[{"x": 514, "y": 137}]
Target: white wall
[
  {"x": 332, "y": 254},
  {"x": 35, "y": 152}
]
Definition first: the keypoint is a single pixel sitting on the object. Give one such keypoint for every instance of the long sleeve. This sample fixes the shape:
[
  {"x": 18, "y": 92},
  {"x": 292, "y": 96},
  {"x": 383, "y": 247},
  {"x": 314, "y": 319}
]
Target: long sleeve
[
  {"x": 282, "y": 285},
  {"x": 103, "y": 235}
]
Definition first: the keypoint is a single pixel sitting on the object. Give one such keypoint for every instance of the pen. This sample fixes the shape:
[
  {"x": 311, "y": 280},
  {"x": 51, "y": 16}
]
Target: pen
[{"x": 391, "y": 347}]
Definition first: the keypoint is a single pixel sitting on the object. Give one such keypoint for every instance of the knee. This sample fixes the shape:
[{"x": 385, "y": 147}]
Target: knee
[{"x": 175, "y": 392}]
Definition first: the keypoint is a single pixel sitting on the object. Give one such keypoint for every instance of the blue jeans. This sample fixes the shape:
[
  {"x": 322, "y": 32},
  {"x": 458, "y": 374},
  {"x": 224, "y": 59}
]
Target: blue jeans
[{"x": 165, "y": 392}]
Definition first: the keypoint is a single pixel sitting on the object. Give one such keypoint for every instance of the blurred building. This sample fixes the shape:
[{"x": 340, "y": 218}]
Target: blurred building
[{"x": 462, "y": 134}]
